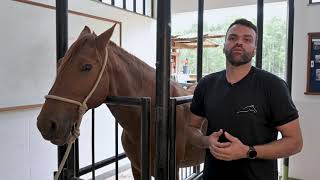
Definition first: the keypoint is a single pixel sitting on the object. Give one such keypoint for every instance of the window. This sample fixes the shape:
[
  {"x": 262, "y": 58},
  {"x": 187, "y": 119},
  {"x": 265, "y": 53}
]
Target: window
[
  {"x": 144, "y": 7},
  {"x": 314, "y": 1}
]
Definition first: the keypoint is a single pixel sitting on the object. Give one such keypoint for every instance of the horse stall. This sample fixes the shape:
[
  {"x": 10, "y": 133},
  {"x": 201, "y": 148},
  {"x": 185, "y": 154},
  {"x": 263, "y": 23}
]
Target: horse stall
[{"x": 20, "y": 103}]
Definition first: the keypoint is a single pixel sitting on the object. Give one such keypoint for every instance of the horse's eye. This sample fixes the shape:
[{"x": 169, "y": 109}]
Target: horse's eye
[{"x": 86, "y": 67}]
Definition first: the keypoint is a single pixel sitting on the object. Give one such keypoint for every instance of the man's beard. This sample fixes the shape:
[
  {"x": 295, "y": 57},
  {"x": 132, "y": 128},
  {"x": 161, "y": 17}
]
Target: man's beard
[{"x": 245, "y": 58}]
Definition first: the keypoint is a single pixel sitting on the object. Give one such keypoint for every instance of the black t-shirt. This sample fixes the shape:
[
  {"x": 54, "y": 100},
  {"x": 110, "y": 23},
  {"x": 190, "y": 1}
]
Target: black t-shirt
[{"x": 249, "y": 110}]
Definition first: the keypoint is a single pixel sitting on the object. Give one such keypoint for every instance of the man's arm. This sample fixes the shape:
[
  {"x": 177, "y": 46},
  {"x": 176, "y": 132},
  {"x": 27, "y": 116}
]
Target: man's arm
[
  {"x": 197, "y": 138},
  {"x": 290, "y": 143}
]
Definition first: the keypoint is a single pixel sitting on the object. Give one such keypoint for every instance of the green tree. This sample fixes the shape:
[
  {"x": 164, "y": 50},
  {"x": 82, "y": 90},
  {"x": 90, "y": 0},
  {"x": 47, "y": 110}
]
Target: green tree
[{"x": 274, "y": 45}]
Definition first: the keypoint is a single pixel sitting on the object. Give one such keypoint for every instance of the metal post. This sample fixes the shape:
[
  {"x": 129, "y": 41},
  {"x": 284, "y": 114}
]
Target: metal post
[
  {"x": 124, "y": 5},
  {"x": 260, "y": 33},
  {"x": 200, "y": 39},
  {"x": 134, "y": 5},
  {"x": 285, "y": 173},
  {"x": 145, "y": 134},
  {"x": 152, "y": 8},
  {"x": 93, "y": 146},
  {"x": 144, "y": 7},
  {"x": 162, "y": 87},
  {"x": 172, "y": 141},
  {"x": 62, "y": 46},
  {"x": 116, "y": 150}
]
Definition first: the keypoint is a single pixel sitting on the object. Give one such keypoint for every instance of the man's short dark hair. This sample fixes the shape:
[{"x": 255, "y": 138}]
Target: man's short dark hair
[{"x": 244, "y": 22}]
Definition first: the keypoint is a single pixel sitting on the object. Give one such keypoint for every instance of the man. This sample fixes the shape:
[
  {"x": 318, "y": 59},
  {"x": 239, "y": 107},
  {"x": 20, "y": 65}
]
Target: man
[{"x": 246, "y": 108}]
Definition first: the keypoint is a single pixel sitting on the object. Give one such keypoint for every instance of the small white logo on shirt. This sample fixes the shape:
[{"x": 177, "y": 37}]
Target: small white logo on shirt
[{"x": 247, "y": 109}]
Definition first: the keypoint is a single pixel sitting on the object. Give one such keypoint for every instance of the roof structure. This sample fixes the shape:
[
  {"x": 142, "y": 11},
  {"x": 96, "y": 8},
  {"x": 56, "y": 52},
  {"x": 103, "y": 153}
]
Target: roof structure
[{"x": 190, "y": 42}]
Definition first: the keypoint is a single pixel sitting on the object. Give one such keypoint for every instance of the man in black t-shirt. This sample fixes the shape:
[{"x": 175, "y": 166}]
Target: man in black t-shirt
[{"x": 246, "y": 108}]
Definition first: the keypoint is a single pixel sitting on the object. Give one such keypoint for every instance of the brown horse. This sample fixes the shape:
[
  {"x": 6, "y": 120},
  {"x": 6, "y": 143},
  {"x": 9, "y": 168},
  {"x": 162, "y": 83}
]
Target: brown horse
[{"x": 124, "y": 75}]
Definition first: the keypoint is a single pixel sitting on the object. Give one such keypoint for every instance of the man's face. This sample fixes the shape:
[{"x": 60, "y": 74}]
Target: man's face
[{"x": 240, "y": 45}]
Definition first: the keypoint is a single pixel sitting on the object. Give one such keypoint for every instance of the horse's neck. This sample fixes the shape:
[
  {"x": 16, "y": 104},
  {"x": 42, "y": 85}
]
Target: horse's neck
[{"x": 129, "y": 76}]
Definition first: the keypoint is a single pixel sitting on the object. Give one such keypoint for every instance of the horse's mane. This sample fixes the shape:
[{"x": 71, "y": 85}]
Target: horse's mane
[
  {"x": 140, "y": 68},
  {"x": 131, "y": 60}
]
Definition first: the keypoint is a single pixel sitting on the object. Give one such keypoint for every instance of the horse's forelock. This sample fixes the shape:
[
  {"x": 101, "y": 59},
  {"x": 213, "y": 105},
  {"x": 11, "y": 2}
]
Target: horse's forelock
[{"x": 74, "y": 48}]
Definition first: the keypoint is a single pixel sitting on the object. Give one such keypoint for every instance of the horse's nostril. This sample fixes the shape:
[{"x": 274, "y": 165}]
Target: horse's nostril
[{"x": 53, "y": 126}]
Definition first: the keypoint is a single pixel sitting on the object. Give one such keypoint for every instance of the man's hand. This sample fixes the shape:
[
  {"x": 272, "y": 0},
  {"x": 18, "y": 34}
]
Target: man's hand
[{"x": 227, "y": 151}]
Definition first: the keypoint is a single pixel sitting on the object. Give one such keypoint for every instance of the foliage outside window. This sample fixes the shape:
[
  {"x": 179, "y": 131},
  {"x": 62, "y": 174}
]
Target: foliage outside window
[{"x": 274, "y": 48}]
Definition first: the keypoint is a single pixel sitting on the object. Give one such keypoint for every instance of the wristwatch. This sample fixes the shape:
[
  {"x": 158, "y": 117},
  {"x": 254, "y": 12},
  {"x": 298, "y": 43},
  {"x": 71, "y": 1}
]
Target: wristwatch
[{"x": 252, "y": 153}]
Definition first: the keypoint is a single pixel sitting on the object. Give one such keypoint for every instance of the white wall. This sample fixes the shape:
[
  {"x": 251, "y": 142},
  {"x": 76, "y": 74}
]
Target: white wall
[
  {"x": 24, "y": 155},
  {"x": 306, "y": 164}
]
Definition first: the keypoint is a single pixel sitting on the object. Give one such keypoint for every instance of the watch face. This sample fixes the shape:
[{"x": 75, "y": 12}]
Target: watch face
[{"x": 252, "y": 154}]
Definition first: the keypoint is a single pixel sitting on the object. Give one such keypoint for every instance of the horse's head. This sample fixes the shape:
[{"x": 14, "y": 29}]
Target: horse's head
[{"x": 77, "y": 86}]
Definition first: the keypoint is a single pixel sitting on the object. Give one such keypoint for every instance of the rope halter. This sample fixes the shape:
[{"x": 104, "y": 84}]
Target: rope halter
[{"x": 75, "y": 132}]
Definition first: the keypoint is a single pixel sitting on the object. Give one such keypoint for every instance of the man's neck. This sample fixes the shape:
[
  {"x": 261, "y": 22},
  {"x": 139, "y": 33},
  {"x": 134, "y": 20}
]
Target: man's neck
[{"x": 235, "y": 73}]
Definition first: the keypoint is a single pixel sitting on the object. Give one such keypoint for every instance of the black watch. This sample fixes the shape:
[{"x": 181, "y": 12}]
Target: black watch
[{"x": 252, "y": 153}]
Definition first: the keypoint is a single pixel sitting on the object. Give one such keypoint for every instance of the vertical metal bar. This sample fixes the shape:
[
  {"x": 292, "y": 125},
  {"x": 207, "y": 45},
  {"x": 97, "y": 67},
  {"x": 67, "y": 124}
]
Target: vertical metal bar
[
  {"x": 77, "y": 168},
  {"x": 93, "y": 145},
  {"x": 172, "y": 141},
  {"x": 260, "y": 33},
  {"x": 152, "y": 8},
  {"x": 285, "y": 173},
  {"x": 62, "y": 46},
  {"x": 145, "y": 134},
  {"x": 61, "y": 27},
  {"x": 200, "y": 39},
  {"x": 290, "y": 42},
  {"x": 112, "y": 2},
  {"x": 134, "y": 5},
  {"x": 116, "y": 151},
  {"x": 124, "y": 5},
  {"x": 162, "y": 87},
  {"x": 144, "y": 7}
]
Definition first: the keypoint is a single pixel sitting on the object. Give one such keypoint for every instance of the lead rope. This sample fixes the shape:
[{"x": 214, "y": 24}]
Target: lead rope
[{"x": 75, "y": 132}]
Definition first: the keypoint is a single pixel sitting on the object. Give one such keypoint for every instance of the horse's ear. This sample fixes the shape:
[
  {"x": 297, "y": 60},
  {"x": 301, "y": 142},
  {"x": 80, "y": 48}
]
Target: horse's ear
[
  {"x": 103, "y": 39},
  {"x": 86, "y": 30}
]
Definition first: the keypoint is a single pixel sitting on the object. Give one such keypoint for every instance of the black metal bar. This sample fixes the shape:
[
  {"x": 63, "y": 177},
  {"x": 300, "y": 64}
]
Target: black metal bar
[
  {"x": 124, "y": 5},
  {"x": 191, "y": 176},
  {"x": 200, "y": 39},
  {"x": 92, "y": 146},
  {"x": 61, "y": 48},
  {"x": 134, "y": 5},
  {"x": 183, "y": 99},
  {"x": 112, "y": 2},
  {"x": 260, "y": 33},
  {"x": 289, "y": 67},
  {"x": 145, "y": 141},
  {"x": 172, "y": 141},
  {"x": 76, "y": 146},
  {"x": 61, "y": 28},
  {"x": 162, "y": 87},
  {"x": 116, "y": 150},
  {"x": 290, "y": 42},
  {"x": 124, "y": 100},
  {"x": 199, "y": 176},
  {"x": 101, "y": 164},
  {"x": 152, "y": 8},
  {"x": 144, "y": 7}
]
